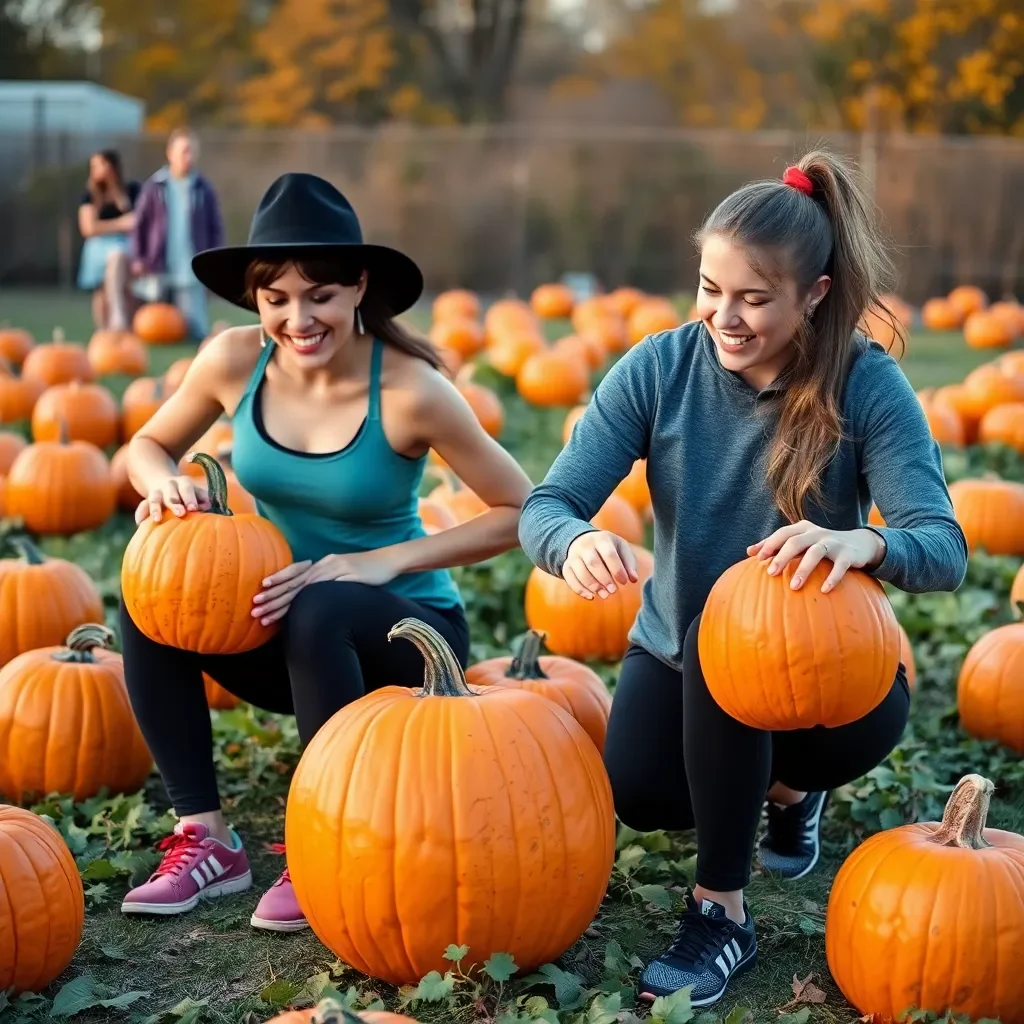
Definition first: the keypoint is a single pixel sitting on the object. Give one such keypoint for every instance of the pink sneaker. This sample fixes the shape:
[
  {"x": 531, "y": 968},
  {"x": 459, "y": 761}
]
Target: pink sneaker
[
  {"x": 278, "y": 910},
  {"x": 194, "y": 867}
]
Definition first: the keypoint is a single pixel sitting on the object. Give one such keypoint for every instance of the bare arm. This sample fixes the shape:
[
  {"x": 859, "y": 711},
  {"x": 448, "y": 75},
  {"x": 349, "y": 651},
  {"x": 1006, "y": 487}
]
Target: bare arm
[{"x": 446, "y": 423}]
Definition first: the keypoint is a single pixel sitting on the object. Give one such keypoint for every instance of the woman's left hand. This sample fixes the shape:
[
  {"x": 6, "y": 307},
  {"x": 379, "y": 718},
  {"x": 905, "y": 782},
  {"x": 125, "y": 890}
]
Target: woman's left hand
[{"x": 846, "y": 549}]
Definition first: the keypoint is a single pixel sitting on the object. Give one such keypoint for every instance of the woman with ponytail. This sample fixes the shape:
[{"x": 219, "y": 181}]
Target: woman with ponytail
[{"x": 768, "y": 427}]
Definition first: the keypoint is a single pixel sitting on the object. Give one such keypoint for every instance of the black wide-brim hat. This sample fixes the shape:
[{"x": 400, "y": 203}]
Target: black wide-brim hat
[{"x": 301, "y": 217}]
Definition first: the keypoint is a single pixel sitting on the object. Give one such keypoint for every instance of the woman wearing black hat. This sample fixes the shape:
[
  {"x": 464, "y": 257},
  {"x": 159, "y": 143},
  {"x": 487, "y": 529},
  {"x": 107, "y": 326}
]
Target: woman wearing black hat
[{"x": 334, "y": 408}]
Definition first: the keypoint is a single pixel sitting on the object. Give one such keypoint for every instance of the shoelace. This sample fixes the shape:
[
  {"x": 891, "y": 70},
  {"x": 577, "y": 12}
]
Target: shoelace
[
  {"x": 179, "y": 849},
  {"x": 280, "y": 848},
  {"x": 696, "y": 934}
]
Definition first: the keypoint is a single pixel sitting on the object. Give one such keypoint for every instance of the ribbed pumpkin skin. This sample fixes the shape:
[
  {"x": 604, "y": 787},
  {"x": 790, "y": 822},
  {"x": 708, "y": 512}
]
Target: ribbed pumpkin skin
[
  {"x": 912, "y": 923},
  {"x": 41, "y": 603},
  {"x": 581, "y": 629},
  {"x": 415, "y": 821},
  {"x": 991, "y": 514},
  {"x": 572, "y": 686},
  {"x": 990, "y": 690},
  {"x": 189, "y": 582},
  {"x": 42, "y": 905},
  {"x": 68, "y": 727},
  {"x": 776, "y": 658}
]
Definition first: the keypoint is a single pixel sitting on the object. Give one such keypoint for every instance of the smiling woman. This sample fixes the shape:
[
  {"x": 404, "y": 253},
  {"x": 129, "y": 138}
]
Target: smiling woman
[{"x": 335, "y": 407}]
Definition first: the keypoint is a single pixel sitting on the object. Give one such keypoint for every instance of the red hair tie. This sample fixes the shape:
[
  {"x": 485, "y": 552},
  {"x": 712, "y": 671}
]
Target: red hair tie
[{"x": 796, "y": 178}]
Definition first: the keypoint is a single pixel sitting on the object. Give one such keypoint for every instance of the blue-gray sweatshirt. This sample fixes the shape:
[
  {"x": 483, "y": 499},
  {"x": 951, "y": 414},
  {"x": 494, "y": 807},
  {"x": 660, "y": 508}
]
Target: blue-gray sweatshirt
[{"x": 705, "y": 432}]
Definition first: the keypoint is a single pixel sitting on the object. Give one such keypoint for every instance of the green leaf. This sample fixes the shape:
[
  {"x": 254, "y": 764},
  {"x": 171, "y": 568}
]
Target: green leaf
[
  {"x": 739, "y": 1015},
  {"x": 98, "y": 870},
  {"x": 673, "y": 1009},
  {"x": 85, "y": 993},
  {"x": 615, "y": 963},
  {"x": 456, "y": 953},
  {"x": 500, "y": 966},
  {"x": 630, "y": 859},
  {"x": 280, "y": 992},
  {"x": 890, "y": 818},
  {"x": 113, "y": 952},
  {"x": 188, "y": 1011},
  {"x": 802, "y": 1016},
  {"x": 604, "y": 1009},
  {"x": 656, "y": 894},
  {"x": 568, "y": 991},
  {"x": 433, "y": 988}
]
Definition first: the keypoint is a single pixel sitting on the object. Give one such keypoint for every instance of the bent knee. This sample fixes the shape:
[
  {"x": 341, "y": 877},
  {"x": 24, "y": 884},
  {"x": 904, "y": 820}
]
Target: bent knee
[
  {"x": 325, "y": 605},
  {"x": 639, "y": 806}
]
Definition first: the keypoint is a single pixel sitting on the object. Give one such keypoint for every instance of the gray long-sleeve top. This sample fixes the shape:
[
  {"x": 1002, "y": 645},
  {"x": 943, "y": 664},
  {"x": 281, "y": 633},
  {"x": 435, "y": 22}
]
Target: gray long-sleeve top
[{"x": 705, "y": 432}]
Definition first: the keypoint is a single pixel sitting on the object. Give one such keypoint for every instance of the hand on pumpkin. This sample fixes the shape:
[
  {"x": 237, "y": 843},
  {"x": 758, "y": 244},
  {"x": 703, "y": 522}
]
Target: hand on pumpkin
[
  {"x": 846, "y": 549},
  {"x": 596, "y": 561},
  {"x": 178, "y": 494},
  {"x": 272, "y": 603}
]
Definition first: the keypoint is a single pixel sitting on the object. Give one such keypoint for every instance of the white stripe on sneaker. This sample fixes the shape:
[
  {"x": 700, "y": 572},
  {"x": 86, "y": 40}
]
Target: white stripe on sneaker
[
  {"x": 217, "y": 866},
  {"x": 726, "y": 971},
  {"x": 197, "y": 876},
  {"x": 207, "y": 870}
]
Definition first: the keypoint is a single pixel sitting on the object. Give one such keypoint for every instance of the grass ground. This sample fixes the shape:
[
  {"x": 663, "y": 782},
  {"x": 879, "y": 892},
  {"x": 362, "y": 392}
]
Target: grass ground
[{"x": 210, "y": 966}]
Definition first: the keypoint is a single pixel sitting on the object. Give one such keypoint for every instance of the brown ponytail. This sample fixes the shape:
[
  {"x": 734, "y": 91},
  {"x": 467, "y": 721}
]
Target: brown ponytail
[{"x": 832, "y": 231}]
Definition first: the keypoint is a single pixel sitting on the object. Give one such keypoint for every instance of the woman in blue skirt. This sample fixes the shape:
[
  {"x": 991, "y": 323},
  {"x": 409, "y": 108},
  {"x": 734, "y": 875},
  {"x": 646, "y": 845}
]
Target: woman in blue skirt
[{"x": 105, "y": 217}]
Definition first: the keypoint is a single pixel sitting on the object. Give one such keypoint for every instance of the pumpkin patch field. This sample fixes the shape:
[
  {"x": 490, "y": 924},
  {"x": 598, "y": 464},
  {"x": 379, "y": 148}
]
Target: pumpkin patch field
[{"x": 919, "y": 891}]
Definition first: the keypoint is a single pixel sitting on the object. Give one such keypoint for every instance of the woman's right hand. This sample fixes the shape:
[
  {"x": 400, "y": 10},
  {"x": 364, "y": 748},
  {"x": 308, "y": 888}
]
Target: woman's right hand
[
  {"x": 178, "y": 494},
  {"x": 596, "y": 562}
]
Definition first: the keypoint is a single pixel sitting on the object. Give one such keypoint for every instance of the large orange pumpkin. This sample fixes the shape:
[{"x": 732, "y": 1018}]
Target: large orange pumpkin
[
  {"x": 87, "y": 412},
  {"x": 1004, "y": 425},
  {"x": 189, "y": 582},
  {"x": 483, "y": 817},
  {"x": 57, "y": 362},
  {"x": 776, "y": 658},
  {"x": 159, "y": 323},
  {"x": 15, "y": 344},
  {"x": 991, "y": 514},
  {"x": 66, "y": 724},
  {"x": 331, "y": 1011},
  {"x": 570, "y": 684},
  {"x": 42, "y": 599},
  {"x": 11, "y": 446},
  {"x": 61, "y": 487},
  {"x": 18, "y": 395},
  {"x": 931, "y": 916},
  {"x": 116, "y": 352},
  {"x": 582, "y": 629},
  {"x": 42, "y": 903},
  {"x": 990, "y": 690}
]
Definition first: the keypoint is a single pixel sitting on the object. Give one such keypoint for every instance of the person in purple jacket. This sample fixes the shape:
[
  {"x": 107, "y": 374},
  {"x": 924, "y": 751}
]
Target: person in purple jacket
[{"x": 177, "y": 215}]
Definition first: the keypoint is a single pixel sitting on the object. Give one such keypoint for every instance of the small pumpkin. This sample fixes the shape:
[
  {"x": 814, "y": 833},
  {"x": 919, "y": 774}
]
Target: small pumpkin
[
  {"x": 61, "y": 487},
  {"x": 552, "y": 378},
  {"x": 552, "y": 301},
  {"x": 188, "y": 581},
  {"x": 42, "y": 599},
  {"x": 585, "y": 348},
  {"x": 507, "y": 317},
  {"x": 57, "y": 362},
  {"x": 617, "y": 516},
  {"x": 988, "y": 386},
  {"x": 1012, "y": 316},
  {"x": 66, "y": 724},
  {"x": 18, "y": 395},
  {"x": 175, "y": 373},
  {"x": 332, "y": 1011},
  {"x": 217, "y": 697},
  {"x": 983, "y": 330},
  {"x": 435, "y": 515},
  {"x": 15, "y": 344},
  {"x": 941, "y": 905},
  {"x": 11, "y": 446},
  {"x": 159, "y": 323},
  {"x": 463, "y": 336},
  {"x": 570, "y": 684},
  {"x": 461, "y": 502},
  {"x": 888, "y": 323},
  {"x": 595, "y": 630},
  {"x": 939, "y": 314},
  {"x": 486, "y": 405},
  {"x": 42, "y": 914},
  {"x": 956, "y": 397},
  {"x": 967, "y": 299},
  {"x": 116, "y": 352},
  {"x": 991, "y": 514},
  {"x": 509, "y": 789},
  {"x": 87, "y": 412},
  {"x": 456, "y": 304},
  {"x": 140, "y": 401},
  {"x": 1004, "y": 424},
  {"x": 624, "y": 300},
  {"x": 127, "y": 497},
  {"x": 776, "y": 658},
  {"x": 511, "y": 351},
  {"x": 652, "y": 316},
  {"x": 601, "y": 319},
  {"x": 944, "y": 421},
  {"x": 990, "y": 689}
]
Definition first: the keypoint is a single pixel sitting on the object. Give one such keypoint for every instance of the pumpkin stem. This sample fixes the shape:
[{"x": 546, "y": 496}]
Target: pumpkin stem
[
  {"x": 443, "y": 675},
  {"x": 963, "y": 820},
  {"x": 62, "y": 430},
  {"x": 26, "y": 549},
  {"x": 58, "y": 336},
  {"x": 82, "y": 640},
  {"x": 216, "y": 482},
  {"x": 526, "y": 664},
  {"x": 332, "y": 1011}
]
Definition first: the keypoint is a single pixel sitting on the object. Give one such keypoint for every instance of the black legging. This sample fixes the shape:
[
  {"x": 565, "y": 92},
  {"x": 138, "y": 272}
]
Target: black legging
[
  {"x": 333, "y": 649},
  {"x": 676, "y": 760}
]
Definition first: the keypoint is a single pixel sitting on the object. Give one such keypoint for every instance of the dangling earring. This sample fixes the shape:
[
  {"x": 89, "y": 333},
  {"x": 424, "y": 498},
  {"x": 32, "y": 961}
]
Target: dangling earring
[
  {"x": 263, "y": 338},
  {"x": 359, "y": 321}
]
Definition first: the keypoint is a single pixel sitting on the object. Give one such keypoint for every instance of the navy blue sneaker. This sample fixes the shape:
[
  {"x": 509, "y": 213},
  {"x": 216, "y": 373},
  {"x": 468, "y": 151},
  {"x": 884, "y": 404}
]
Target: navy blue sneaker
[
  {"x": 707, "y": 951},
  {"x": 792, "y": 845}
]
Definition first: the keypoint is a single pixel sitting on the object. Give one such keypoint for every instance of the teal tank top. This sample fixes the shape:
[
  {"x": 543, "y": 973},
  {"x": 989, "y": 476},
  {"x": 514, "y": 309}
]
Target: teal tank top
[{"x": 357, "y": 499}]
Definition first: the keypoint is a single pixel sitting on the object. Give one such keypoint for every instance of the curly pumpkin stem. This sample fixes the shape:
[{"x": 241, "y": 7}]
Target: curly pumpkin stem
[
  {"x": 216, "y": 482},
  {"x": 26, "y": 549},
  {"x": 526, "y": 663},
  {"x": 442, "y": 675},
  {"x": 963, "y": 820},
  {"x": 82, "y": 640}
]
